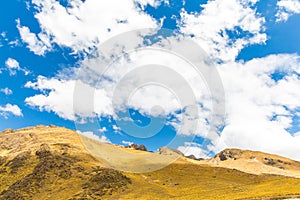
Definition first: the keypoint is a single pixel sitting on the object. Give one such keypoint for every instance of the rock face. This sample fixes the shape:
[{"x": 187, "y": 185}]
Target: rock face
[
  {"x": 137, "y": 147},
  {"x": 276, "y": 162},
  {"x": 229, "y": 154},
  {"x": 105, "y": 181},
  {"x": 52, "y": 126}
]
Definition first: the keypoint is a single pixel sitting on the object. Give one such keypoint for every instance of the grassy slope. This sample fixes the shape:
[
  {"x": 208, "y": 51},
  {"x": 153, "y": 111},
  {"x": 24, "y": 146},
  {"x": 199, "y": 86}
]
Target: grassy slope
[
  {"x": 187, "y": 181},
  {"x": 70, "y": 172}
]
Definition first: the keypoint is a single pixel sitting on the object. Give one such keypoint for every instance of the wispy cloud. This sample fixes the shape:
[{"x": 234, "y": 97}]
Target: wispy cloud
[
  {"x": 6, "y": 91},
  {"x": 38, "y": 44},
  {"x": 13, "y": 66},
  {"x": 287, "y": 8},
  {"x": 8, "y": 109},
  {"x": 224, "y": 28},
  {"x": 92, "y": 135},
  {"x": 127, "y": 143}
]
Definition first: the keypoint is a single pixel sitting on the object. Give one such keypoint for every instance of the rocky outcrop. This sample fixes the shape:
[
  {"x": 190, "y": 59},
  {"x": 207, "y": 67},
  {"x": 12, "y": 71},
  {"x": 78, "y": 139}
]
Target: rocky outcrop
[
  {"x": 229, "y": 154},
  {"x": 52, "y": 126},
  {"x": 104, "y": 181},
  {"x": 8, "y": 130},
  {"x": 18, "y": 162},
  {"x": 137, "y": 147}
]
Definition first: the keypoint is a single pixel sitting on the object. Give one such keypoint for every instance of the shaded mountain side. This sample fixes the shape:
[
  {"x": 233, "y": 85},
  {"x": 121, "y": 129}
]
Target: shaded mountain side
[
  {"x": 50, "y": 173},
  {"x": 52, "y": 163}
]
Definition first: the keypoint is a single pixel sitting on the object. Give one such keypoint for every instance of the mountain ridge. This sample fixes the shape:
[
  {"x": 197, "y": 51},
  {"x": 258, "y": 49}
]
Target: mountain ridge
[{"x": 52, "y": 162}]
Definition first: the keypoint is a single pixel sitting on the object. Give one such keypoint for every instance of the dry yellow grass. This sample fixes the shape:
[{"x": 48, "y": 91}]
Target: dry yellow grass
[
  {"x": 69, "y": 171},
  {"x": 255, "y": 162},
  {"x": 187, "y": 181}
]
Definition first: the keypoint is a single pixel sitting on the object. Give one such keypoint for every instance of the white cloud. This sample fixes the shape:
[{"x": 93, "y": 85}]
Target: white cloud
[
  {"x": 153, "y": 3},
  {"x": 297, "y": 134},
  {"x": 88, "y": 23},
  {"x": 13, "y": 66},
  {"x": 259, "y": 109},
  {"x": 14, "y": 43},
  {"x": 92, "y": 135},
  {"x": 286, "y": 8},
  {"x": 116, "y": 128},
  {"x": 58, "y": 96},
  {"x": 59, "y": 99},
  {"x": 127, "y": 143},
  {"x": 172, "y": 95},
  {"x": 3, "y": 35},
  {"x": 8, "y": 109},
  {"x": 211, "y": 25},
  {"x": 3, "y": 38},
  {"x": 102, "y": 130},
  {"x": 6, "y": 91},
  {"x": 37, "y": 44},
  {"x": 195, "y": 149}
]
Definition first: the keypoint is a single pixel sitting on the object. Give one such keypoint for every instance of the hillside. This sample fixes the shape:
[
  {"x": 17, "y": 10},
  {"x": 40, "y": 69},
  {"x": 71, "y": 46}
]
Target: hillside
[
  {"x": 255, "y": 162},
  {"x": 48, "y": 162}
]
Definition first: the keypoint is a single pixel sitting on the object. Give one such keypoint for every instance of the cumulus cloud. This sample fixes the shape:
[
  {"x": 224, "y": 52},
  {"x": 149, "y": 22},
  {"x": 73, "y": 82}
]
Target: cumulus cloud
[
  {"x": 286, "y": 8},
  {"x": 38, "y": 44},
  {"x": 88, "y": 23},
  {"x": 127, "y": 143},
  {"x": 175, "y": 88},
  {"x": 259, "y": 108},
  {"x": 13, "y": 66},
  {"x": 255, "y": 112},
  {"x": 57, "y": 96},
  {"x": 191, "y": 148},
  {"x": 224, "y": 27},
  {"x": 59, "y": 99},
  {"x": 6, "y": 91},
  {"x": 92, "y": 135},
  {"x": 8, "y": 109}
]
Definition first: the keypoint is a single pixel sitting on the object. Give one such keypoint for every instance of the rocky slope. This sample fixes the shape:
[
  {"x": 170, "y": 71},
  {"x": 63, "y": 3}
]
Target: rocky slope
[
  {"x": 48, "y": 162},
  {"x": 255, "y": 162}
]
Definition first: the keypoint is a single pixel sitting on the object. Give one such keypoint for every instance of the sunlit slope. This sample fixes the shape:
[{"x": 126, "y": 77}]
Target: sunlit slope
[
  {"x": 255, "y": 162},
  {"x": 53, "y": 163},
  {"x": 126, "y": 159},
  {"x": 187, "y": 181}
]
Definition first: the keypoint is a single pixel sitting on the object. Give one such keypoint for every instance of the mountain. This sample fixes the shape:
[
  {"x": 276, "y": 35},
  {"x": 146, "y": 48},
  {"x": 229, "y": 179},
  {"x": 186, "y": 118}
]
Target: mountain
[
  {"x": 49, "y": 162},
  {"x": 255, "y": 162}
]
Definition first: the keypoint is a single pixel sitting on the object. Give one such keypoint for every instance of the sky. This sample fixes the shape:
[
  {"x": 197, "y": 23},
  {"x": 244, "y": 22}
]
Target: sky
[{"x": 52, "y": 53}]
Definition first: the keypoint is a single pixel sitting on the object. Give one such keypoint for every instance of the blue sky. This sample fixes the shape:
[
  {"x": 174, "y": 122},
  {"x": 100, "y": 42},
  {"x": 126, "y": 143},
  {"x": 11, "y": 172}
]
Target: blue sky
[{"x": 41, "y": 47}]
